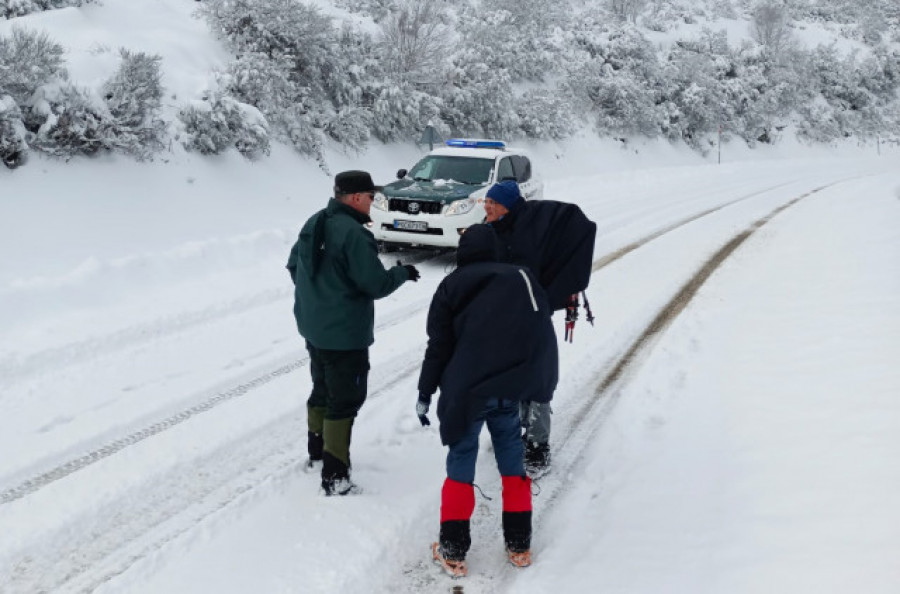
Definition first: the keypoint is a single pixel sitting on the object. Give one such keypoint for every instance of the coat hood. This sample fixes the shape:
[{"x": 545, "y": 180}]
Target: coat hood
[
  {"x": 478, "y": 244},
  {"x": 312, "y": 236}
]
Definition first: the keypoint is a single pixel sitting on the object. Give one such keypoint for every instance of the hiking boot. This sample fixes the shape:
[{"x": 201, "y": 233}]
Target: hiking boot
[
  {"x": 455, "y": 568},
  {"x": 537, "y": 458},
  {"x": 519, "y": 559},
  {"x": 341, "y": 486}
]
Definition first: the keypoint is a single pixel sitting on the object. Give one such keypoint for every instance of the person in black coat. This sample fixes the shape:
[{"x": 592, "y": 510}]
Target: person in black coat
[
  {"x": 555, "y": 240},
  {"x": 490, "y": 346}
]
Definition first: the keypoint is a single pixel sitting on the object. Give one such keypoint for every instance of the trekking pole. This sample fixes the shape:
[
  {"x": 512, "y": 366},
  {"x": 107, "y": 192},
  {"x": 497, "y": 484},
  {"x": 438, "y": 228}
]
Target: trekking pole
[
  {"x": 571, "y": 316},
  {"x": 588, "y": 314}
]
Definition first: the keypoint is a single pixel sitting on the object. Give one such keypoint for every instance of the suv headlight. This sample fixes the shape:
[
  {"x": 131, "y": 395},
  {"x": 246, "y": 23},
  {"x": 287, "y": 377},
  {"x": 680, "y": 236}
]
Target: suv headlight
[
  {"x": 380, "y": 202},
  {"x": 458, "y": 207}
]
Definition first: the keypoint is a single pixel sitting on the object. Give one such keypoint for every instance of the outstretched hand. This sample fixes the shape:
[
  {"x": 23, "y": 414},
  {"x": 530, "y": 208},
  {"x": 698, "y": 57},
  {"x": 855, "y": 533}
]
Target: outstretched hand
[{"x": 412, "y": 271}]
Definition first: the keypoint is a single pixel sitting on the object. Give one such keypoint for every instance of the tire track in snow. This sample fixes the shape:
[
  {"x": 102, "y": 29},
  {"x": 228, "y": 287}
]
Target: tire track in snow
[
  {"x": 180, "y": 323},
  {"x": 277, "y": 464},
  {"x": 14, "y": 368},
  {"x": 586, "y": 420},
  {"x": 76, "y": 463}
]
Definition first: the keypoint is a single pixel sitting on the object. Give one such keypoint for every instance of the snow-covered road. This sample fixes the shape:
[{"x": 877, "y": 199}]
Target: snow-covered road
[{"x": 157, "y": 440}]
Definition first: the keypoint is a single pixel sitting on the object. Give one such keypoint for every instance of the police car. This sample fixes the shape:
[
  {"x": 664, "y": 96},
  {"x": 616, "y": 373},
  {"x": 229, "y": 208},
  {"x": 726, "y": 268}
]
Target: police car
[{"x": 434, "y": 202}]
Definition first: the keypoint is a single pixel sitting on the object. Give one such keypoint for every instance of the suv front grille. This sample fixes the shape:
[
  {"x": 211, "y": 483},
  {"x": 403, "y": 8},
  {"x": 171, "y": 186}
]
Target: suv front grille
[{"x": 414, "y": 206}]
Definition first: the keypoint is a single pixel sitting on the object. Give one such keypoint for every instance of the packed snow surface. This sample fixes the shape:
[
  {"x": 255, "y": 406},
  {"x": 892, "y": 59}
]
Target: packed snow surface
[{"x": 737, "y": 433}]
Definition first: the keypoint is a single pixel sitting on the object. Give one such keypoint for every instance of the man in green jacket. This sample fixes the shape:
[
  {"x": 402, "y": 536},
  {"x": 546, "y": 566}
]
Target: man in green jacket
[{"x": 337, "y": 278}]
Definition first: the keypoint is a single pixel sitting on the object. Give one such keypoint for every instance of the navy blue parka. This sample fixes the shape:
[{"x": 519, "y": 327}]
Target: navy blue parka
[
  {"x": 555, "y": 240},
  {"x": 489, "y": 336}
]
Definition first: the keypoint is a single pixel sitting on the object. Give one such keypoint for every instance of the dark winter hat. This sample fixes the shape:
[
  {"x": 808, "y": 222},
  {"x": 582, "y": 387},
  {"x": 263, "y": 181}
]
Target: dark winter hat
[
  {"x": 352, "y": 182},
  {"x": 506, "y": 193}
]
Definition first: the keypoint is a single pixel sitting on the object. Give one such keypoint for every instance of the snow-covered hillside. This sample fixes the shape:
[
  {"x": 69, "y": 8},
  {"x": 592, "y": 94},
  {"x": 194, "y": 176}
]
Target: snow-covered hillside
[
  {"x": 150, "y": 79},
  {"x": 729, "y": 423}
]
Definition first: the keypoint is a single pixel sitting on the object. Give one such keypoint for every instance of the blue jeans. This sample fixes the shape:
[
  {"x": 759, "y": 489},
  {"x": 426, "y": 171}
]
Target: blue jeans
[{"x": 502, "y": 418}]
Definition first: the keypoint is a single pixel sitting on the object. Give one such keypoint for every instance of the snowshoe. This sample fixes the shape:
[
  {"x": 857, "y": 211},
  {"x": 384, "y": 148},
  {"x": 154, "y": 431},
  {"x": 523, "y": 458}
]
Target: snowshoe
[
  {"x": 453, "y": 568},
  {"x": 522, "y": 559}
]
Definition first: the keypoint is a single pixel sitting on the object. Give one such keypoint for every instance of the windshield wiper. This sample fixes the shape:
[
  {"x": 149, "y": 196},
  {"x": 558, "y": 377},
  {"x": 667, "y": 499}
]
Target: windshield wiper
[{"x": 421, "y": 179}]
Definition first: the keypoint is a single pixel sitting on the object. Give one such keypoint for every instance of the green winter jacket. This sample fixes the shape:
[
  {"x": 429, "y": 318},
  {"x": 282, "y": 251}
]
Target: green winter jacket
[{"x": 337, "y": 277}]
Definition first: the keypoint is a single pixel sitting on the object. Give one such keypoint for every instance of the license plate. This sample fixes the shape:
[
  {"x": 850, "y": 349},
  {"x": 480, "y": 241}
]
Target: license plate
[{"x": 410, "y": 225}]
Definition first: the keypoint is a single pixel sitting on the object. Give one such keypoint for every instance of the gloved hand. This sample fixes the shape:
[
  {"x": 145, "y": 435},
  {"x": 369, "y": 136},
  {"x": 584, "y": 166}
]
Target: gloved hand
[
  {"x": 422, "y": 406},
  {"x": 412, "y": 272}
]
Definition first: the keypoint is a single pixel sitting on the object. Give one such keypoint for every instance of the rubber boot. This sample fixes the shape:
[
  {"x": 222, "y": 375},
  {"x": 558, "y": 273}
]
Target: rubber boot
[{"x": 336, "y": 457}]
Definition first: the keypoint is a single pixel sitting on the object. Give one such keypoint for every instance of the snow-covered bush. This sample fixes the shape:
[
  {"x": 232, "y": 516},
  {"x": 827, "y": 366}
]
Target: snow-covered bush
[
  {"x": 627, "y": 10},
  {"x": 617, "y": 76},
  {"x": 349, "y": 127},
  {"x": 304, "y": 134},
  {"x": 66, "y": 120},
  {"x": 400, "y": 112},
  {"x": 306, "y": 76},
  {"x": 379, "y": 10},
  {"x": 28, "y": 59},
  {"x": 296, "y": 35},
  {"x": 12, "y": 133},
  {"x": 219, "y": 123},
  {"x": 516, "y": 37},
  {"x": 256, "y": 79},
  {"x": 16, "y": 8},
  {"x": 817, "y": 122},
  {"x": 545, "y": 113},
  {"x": 477, "y": 99},
  {"x": 133, "y": 97}
]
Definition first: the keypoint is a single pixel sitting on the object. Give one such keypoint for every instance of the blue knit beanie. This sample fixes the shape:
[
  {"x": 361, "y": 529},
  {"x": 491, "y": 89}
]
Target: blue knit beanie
[{"x": 506, "y": 193}]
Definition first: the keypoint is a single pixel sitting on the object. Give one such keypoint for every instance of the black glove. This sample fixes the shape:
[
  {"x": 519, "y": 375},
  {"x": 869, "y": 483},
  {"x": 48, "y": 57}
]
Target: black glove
[
  {"x": 412, "y": 272},
  {"x": 422, "y": 405}
]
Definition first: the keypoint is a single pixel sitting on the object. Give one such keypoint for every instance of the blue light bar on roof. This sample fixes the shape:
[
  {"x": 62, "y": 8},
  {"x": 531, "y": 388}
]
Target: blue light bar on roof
[{"x": 476, "y": 143}]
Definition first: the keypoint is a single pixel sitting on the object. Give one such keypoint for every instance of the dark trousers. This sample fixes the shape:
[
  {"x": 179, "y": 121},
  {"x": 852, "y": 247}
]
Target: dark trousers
[{"x": 340, "y": 383}]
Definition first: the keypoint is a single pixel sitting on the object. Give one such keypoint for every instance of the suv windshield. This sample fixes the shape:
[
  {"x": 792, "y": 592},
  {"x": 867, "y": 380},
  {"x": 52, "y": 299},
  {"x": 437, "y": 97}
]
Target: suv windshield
[{"x": 462, "y": 169}]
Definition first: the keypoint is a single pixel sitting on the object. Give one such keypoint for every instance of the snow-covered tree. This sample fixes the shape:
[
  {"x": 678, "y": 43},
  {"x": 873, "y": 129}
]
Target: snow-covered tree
[
  {"x": 401, "y": 112},
  {"x": 770, "y": 25},
  {"x": 516, "y": 36},
  {"x": 133, "y": 97},
  {"x": 28, "y": 59},
  {"x": 219, "y": 123},
  {"x": 627, "y": 10},
  {"x": 478, "y": 99},
  {"x": 416, "y": 39}
]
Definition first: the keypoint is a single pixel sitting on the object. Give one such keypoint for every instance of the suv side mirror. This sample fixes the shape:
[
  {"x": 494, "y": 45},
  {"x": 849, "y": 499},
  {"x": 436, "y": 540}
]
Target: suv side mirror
[{"x": 401, "y": 173}]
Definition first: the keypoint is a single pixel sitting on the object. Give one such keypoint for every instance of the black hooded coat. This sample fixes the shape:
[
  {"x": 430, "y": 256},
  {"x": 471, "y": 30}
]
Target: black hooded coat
[
  {"x": 553, "y": 239},
  {"x": 489, "y": 336}
]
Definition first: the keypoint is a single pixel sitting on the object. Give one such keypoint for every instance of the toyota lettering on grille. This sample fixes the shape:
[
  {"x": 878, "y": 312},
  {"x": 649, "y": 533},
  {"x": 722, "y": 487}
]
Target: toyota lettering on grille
[{"x": 413, "y": 207}]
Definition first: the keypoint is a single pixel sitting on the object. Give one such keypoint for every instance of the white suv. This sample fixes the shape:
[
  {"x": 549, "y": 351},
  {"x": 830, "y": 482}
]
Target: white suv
[{"x": 443, "y": 194}]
